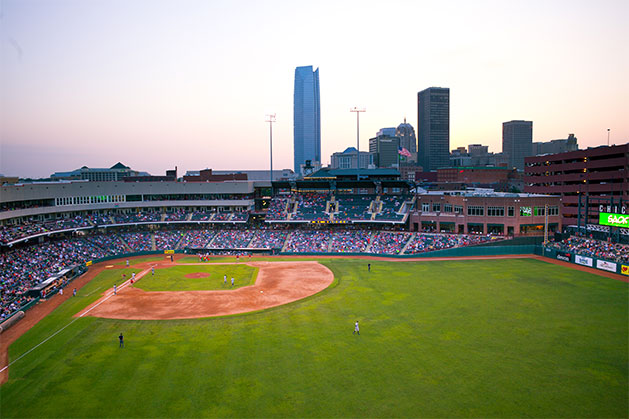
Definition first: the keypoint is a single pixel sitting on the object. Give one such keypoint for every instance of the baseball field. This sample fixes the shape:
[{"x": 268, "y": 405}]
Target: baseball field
[{"x": 456, "y": 338}]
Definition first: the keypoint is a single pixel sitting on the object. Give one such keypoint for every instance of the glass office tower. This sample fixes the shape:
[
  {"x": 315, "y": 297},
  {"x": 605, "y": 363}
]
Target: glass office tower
[
  {"x": 433, "y": 128},
  {"x": 306, "y": 117}
]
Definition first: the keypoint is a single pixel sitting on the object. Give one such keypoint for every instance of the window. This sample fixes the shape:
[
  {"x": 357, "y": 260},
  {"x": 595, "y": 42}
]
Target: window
[
  {"x": 475, "y": 210},
  {"x": 436, "y": 207},
  {"x": 496, "y": 211},
  {"x": 458, "y": 209},
  {"x": 540, "y": 211},
  {"x": 447, "y": 207},
  {"x": 526, "y": 211},
  {"x": 554, "y": 210},
  {"x": 425, "y": 207},
  {"x": 511, "y": 211}
]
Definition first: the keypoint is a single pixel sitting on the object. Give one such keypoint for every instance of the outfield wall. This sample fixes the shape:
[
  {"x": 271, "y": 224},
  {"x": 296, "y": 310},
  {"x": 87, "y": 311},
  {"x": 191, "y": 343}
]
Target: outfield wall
[{"x": 621, "y": 268}]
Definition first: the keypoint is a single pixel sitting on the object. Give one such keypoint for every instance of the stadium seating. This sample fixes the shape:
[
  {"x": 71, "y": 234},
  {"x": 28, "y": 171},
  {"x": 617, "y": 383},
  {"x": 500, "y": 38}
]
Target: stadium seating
[{"x": 615, "y": 252}]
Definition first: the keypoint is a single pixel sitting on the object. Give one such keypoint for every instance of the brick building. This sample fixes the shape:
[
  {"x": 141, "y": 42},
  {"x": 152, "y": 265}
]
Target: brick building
[
  {"x": 593, "y": 175},
  {"x": 483, "y": 211}
]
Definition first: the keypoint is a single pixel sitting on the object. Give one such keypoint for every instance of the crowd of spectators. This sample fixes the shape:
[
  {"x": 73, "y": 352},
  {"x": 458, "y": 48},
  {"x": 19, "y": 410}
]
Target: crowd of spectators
[
  {"x": 389, "y": 243},
  {"x": 349, "y": 241},
  {"x": 29, "y": 228},
  {"x": 137, "y": 242},
  {"x": 226, "y": 239},
  {"x": 277, "y": 209},
  {"x": 196, "y": 239},
  {"x": 308, "y": 241},
  {"x": 168, "y": 240},
  {"x": 22, "y": 269},
  {"x": 269, "y": 239},
  {"x": 422, "y": 242},
  {"x": 615, "y": 252},
  {"x": 109, "y": 243},
  {"x": 137, "y": 217},
  {"x": 179, "y": 214}
]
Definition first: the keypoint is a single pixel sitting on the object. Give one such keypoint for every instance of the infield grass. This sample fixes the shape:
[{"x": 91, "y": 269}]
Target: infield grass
[
  {"x": 174, "y": 278},
  {"x": 138, "y": 260},
  {"x": 492, "y": 338}
]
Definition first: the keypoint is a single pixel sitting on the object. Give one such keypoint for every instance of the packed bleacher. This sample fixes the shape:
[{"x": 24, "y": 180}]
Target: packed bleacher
[
  {"x": 226, "y": 239},
  {"x": 110, "y": 244},
  {"x": 389, "y": 243},
  {"x": 197, "y": 239},
  {"x": 33, "y": 227},
  {"x": 137, "y": 217},
  {"x": 268, "y": 239},
  {"x": 21, "y": 269},
  {"x": 137, "y": 242},
  {"x": 179, "y": 214},
  {"x": 308, "y": 241},
  {"x": 422, "y": 242},
  {"x": 168, "y": 240},
  {"x": 349, "y": 241},
  {"x": 615, "y": 252},
  {"x": 278, "y": 208}
]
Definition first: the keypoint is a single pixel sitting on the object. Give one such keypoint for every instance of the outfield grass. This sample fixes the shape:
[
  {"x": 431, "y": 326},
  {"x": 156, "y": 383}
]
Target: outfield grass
[
  {"x": 496, "y": 338},
  {"x": 173, "y": 279}
]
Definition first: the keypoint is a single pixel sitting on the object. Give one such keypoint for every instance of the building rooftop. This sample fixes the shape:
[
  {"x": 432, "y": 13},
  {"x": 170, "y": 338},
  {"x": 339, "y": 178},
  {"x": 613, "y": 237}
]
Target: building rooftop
[{"x": 482, "y": 192}]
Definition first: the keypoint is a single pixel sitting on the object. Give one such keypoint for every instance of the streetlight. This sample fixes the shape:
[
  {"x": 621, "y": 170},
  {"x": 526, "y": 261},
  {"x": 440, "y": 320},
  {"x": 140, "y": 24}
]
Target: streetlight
[
  {"x": 358, "y": 111},
  {"x": 270, "y": 119}
]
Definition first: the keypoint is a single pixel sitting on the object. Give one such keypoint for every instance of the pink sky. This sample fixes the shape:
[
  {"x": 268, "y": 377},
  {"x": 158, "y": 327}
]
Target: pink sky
[{"x": 155, "y": 84}]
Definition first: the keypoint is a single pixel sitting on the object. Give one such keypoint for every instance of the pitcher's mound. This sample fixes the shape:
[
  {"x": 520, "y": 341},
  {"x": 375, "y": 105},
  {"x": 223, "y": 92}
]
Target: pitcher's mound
[{"x": 194, "y": 275}]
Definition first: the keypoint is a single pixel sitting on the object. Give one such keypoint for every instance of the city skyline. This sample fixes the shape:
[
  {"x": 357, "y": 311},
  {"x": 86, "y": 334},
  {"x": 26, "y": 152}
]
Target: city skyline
[{"x": 159, "y": 84}]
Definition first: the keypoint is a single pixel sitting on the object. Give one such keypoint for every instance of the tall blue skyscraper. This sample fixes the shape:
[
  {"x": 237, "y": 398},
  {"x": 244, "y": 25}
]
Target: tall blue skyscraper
[{"x": 306, "y": 117}]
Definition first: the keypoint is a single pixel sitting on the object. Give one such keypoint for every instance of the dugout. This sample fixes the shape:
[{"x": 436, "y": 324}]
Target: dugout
[{"x": 53, "y": 283}]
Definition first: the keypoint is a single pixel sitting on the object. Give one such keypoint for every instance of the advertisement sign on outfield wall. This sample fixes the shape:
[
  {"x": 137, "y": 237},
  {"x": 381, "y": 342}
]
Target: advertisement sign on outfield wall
[
  {"x": 563, "y": 256},
  {"x": 624, "y": 269},
  {"x": 583, "y": 260},
  {"x": 608, "y": 266}
]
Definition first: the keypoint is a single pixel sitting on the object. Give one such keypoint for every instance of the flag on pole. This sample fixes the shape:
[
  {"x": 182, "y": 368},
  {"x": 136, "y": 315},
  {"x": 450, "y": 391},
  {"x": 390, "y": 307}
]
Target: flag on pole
[{"x": 403, "y": 152}]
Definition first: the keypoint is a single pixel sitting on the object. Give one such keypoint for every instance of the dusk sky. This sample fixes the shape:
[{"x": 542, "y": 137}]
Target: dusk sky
[{"x": 158, "y": 84}]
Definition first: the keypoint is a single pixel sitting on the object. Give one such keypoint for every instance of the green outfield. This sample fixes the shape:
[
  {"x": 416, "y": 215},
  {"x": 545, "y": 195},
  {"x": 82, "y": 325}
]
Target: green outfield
[
  {"x": 174, "y": 278},
  {"x": 493, "y": 338}
]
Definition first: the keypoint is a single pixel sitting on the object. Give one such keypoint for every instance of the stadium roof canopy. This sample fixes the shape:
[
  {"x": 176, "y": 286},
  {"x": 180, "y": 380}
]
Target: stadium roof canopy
[{"x": 340, "y": 174}]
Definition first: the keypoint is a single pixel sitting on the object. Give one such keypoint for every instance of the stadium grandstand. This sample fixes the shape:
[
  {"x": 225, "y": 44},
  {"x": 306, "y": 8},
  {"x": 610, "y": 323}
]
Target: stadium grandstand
[{"x": 49, "y": 231}]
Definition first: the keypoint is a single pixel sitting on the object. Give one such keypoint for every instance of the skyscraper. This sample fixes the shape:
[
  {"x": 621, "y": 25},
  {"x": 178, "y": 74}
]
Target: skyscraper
[
  {"x": 517, "y": 142},
  {"x": 306, "y": 117},
  {"x": 433, "y": 128},
  {"x": 406, "y": 133}
]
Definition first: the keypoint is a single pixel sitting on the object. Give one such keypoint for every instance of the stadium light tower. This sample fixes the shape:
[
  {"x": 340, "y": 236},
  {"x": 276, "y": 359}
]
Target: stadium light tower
[
  {"x": 270, "y": 119},
  {"x": 608, "y": 129},
  {"x": 358, "y": 111}
]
